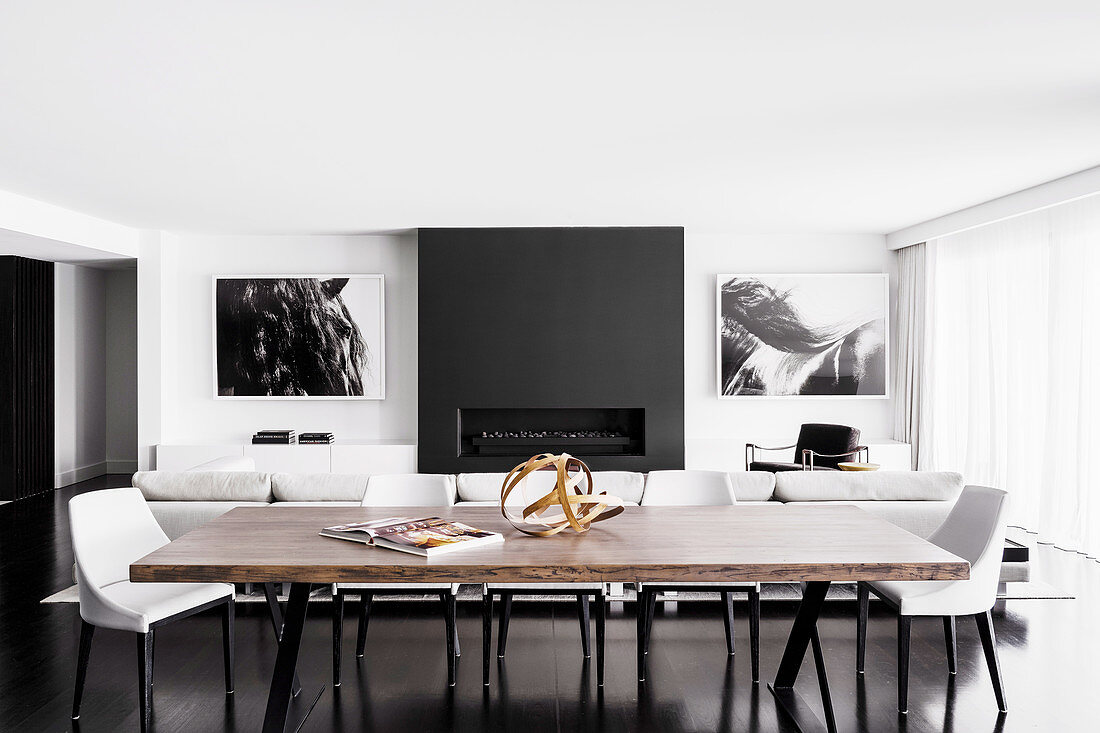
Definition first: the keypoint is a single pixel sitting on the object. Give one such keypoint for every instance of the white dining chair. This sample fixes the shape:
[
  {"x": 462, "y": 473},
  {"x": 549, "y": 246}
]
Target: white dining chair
[
  {"x": 111, "y": 529},
  {"x": 587, "y": 594},
  {"x": 696, "y": 488},
  {"x": 398, "y": 490},
  {"x": 975, "y": 531}
]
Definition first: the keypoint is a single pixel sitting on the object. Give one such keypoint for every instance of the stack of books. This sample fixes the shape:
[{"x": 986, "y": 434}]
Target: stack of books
[
  {"x": 276, "y": 437},
  {"x": 315, "y": 438}
]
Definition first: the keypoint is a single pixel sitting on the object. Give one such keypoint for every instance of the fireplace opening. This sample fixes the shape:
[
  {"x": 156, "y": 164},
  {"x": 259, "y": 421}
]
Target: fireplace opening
[{"x": 523, "y": 432}]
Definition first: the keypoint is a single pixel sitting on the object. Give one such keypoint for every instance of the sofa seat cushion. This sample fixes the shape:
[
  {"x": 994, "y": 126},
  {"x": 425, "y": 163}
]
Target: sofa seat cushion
[
  {"x": 1015, "y": 572},
  {"x": 203, "y": 485},
  {"x": 318, "y": 486},
  {"x": 752, "y": 485},
  {"x": 177, "y": 518},
  {"x": 761, "y": 503},
  {"x": 314, "y": 504},
  {"x": 868, "y": 486},
  {"x": 922, "y": 518},
  {"x": 485, "y": 487}
]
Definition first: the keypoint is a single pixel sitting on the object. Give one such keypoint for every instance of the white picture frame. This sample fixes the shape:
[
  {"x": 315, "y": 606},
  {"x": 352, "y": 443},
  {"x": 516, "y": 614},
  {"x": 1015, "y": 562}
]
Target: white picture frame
[
  {"x": 366, "y": 310},
  {"x": 859, "y": 292}
]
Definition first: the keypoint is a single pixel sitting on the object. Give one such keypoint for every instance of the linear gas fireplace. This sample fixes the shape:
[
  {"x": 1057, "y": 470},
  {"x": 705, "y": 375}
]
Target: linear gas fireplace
[
  {"x": 550, "y": 340},
  {"x": 522, "y": 432}
]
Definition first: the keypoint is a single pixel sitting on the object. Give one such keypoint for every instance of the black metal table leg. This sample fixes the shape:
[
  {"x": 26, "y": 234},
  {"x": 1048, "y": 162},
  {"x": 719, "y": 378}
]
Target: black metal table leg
[
  {"x": 276, "y": 613},
  {"x": 282, "y": 679},
  {"x": 823, "y": 681},
  {"x": 803, "y": 633}
]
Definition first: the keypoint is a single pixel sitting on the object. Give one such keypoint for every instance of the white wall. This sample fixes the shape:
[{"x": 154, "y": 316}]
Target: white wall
[
  {"x": 156, "y": 287},
  {"x": 180, "y": 408},
  {"x": 80, "y": 377},
  {"x": 95, "y": 377},
  {"x": 175, "y": 278},
  {"x": 717, "y": 430},
  {"x": 121, "y": 370}
]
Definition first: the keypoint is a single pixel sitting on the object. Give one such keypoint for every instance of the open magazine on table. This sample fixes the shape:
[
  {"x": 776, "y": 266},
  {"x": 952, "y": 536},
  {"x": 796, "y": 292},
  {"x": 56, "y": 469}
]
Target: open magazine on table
[{"x": 427, "y": 537}]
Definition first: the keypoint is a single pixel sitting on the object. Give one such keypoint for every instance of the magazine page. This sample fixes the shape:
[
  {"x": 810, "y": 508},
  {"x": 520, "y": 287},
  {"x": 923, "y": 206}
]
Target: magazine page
[
  {"x": 431, "y": 532},
  {"x": 372, "y": 529}
]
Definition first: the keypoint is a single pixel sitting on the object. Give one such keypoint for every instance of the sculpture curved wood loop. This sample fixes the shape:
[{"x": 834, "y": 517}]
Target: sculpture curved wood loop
[{"x": 580, "y": 508}]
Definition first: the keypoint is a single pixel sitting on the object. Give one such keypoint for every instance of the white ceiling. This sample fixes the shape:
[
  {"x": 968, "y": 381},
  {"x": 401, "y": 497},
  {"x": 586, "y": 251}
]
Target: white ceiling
[{"x": 350, "y": 116}]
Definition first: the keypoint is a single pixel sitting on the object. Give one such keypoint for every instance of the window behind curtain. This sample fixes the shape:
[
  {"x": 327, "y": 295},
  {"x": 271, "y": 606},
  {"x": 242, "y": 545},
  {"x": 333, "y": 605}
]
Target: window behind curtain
[{"x": 1011, "y": 395}]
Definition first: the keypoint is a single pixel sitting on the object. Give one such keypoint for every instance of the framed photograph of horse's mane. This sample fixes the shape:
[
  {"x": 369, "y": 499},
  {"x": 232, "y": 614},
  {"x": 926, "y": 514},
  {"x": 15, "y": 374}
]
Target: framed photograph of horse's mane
[
  {"x": 803, "y": 336},
  {"x": 299, "y": 337}
]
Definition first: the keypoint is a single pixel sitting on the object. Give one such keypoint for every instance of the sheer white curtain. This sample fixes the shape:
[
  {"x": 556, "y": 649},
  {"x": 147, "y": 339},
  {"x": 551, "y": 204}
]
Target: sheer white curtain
[
  {"x": 910, "y": 353},
  {"x": 1008, "y": 394}
]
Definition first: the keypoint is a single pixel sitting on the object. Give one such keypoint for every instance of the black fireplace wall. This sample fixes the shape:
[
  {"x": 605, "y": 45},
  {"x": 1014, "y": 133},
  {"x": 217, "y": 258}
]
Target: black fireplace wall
[{"x": 586, "y": 319}]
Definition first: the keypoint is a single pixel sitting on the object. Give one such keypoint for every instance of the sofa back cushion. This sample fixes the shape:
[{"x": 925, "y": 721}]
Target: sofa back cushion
[
  {"x": 868, "y": 485},
  {"x": 177, "y": 518},
  {"x": 318, "y": 486},
  {"x": 627, "y": 485},
  {"x": 203, "y": 485},
  {"x": 753, "y": 485}
]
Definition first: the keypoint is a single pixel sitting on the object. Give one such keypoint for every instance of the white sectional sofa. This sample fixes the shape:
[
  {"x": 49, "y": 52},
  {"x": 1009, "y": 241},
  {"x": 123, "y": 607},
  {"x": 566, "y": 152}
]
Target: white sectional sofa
[
  {"x": 181, "y": 501},
  {"x": 483, "y": 489},
  {"x": 917, "y": 501}
]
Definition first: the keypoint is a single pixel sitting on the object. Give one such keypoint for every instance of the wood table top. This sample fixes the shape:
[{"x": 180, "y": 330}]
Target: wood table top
[{"x": 650, "y": 544}]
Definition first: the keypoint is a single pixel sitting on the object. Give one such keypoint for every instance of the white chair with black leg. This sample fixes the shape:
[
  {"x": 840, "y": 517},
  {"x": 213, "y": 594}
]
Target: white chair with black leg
[
  {"x": 696, "y": 488},
  {"x": 975, "y": 531},
  {"x": 404, "y": 490},
  {"x": 586, "y": 593},
  {"x": 111, "y": 529}
]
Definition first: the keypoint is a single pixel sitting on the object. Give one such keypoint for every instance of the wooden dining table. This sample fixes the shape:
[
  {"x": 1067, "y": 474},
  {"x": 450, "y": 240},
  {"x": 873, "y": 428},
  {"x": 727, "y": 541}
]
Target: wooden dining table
[{"x": 815, "y": 545}]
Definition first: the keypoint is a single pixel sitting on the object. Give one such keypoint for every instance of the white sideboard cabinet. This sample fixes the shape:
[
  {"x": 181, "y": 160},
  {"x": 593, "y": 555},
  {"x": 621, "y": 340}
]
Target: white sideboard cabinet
[{"x": 343, "y": 456}]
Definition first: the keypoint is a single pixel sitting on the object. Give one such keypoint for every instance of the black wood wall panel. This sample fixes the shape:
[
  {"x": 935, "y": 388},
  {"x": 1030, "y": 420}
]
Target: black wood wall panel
[
  {"x": 26, "y": 377},
  {"x": 551, "y": 317}
]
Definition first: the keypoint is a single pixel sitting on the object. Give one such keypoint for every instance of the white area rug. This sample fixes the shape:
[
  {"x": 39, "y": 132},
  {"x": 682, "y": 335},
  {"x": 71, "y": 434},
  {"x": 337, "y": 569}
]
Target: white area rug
[{"x": 768, "y": 592}]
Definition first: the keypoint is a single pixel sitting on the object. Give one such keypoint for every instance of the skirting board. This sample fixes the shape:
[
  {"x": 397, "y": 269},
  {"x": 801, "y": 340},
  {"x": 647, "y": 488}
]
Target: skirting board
[{"x": 83, "y": 473}]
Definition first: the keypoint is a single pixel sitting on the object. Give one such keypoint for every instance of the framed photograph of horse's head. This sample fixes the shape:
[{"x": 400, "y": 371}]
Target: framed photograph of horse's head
[
  {"x": 803, "y": 336},
  {"x": 299, "y": 337}
]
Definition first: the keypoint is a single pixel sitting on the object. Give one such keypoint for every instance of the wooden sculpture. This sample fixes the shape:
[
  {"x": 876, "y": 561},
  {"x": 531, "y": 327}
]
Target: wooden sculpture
[{"x": 577, "y": 508}]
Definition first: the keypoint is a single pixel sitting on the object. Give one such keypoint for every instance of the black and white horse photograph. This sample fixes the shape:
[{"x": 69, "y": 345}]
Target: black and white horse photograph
[
  {"x": 299, "y": 337},
  {"x": 802, "y": 335}
]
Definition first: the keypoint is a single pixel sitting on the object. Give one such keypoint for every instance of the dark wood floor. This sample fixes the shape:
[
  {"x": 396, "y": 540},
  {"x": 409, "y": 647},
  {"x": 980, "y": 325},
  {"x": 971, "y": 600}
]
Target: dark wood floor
[{"x": 1048, "y": 653}]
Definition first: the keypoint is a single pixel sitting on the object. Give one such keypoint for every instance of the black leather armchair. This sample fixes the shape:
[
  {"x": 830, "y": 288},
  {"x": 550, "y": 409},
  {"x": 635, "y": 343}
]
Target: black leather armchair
[{"x": 820, "y": 447}]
